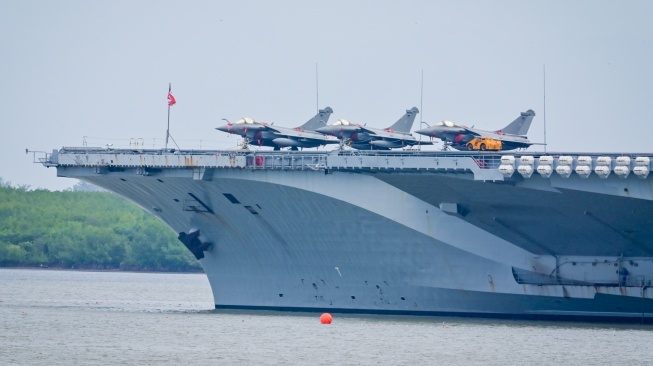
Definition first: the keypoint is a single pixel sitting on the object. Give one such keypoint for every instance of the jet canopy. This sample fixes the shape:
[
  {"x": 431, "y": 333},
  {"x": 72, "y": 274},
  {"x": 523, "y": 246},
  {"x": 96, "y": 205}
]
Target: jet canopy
[
  {"x": 446, "y": 124},
  {"x": 245, "y": 120},
  {"x": 342, "y": 122}
]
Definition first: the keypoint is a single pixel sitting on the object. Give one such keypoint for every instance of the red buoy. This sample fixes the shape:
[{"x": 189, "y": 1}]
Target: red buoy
[{"x": 326, "y": 318}]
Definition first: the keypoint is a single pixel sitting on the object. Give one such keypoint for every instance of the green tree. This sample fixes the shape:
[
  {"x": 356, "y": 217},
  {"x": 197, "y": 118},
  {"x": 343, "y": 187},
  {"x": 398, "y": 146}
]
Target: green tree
[{"x": 85, "y": 229}]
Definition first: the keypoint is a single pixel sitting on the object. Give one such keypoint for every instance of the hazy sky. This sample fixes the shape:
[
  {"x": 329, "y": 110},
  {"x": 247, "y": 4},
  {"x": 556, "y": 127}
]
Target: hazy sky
[{"x": 101, "y": 69}]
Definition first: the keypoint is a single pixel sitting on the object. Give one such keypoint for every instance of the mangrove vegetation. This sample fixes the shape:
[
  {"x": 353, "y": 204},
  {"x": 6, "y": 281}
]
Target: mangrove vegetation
[{"x": 85, "y": 230}]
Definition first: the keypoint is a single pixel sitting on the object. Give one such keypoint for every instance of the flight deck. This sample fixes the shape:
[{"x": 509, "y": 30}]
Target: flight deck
[{"x": 484, "y": 165}]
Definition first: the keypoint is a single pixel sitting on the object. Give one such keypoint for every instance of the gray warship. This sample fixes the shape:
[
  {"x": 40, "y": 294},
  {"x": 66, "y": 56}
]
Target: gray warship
[{"x": 561, "y": 236}]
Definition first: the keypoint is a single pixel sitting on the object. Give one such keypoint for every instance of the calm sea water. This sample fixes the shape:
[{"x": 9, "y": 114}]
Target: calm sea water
[{"x": 54, "y": 317}]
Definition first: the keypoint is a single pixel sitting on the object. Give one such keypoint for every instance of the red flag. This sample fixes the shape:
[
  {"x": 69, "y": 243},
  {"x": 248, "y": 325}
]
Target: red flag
[{"x": 171, "y": 99}]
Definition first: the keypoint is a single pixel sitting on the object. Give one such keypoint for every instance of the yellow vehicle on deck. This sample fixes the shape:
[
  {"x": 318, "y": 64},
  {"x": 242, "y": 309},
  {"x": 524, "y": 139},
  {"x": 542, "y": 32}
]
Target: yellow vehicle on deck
[{"x": 484, "y": 143}]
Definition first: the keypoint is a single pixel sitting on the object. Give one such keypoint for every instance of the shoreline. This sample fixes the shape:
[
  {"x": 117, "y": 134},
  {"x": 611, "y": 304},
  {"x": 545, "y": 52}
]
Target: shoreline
[{"x": 54, "y": 268}]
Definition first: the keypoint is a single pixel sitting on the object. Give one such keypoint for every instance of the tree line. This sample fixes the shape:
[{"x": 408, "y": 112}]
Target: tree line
[{"x": 88, "y": 230}]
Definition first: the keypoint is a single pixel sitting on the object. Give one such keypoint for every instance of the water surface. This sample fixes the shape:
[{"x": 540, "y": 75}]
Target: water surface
[{"x": 55, "y": 317}]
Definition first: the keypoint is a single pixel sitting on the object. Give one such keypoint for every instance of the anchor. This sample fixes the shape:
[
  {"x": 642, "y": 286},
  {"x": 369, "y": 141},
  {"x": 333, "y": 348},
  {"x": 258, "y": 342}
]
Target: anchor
[{"x": 194, "y": 244}]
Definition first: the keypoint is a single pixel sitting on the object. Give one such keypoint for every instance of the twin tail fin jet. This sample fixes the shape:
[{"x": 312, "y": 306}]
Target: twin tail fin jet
[
  {"x": 513, "y": 136},
  {"x": 366, "y": 138},
  {"x": 265, "y": 134}
]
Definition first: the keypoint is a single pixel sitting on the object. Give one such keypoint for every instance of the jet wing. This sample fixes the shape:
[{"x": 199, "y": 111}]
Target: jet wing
[
  {"x": 270, "y": 128},
  {"x": 297, "y": 134},
  {"x": 472, "y": 131},
  {"x": 368, "y": 130}
]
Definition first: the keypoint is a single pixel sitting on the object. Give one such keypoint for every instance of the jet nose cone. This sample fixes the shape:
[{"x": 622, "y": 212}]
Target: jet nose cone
[
  {"x": 326, "y": 130},
  {"x": 224, "y": 128},
  {"x": 424, "y": 131}
]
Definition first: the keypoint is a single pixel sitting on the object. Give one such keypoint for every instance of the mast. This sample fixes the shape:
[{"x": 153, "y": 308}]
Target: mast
[
  {"x": 317, "y": 91},
  {"x": 544, "y": 77},
  {"x": 421, "y": 109}
]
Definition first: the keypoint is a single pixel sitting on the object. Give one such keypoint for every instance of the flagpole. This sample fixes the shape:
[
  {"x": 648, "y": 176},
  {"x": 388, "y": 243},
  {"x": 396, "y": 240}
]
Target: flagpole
[{"x": 168, "y": 129}]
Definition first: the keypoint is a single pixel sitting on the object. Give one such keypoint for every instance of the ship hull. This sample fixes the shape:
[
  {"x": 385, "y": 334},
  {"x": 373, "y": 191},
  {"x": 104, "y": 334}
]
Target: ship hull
[{"x": 408, "y": 242}]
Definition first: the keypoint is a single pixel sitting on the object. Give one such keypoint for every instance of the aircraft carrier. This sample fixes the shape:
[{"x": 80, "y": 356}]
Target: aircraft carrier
[{"x": 563, "y": 236}]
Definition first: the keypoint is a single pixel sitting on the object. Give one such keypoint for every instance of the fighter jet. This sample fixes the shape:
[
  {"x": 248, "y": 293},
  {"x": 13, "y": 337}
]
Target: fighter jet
[
  {"x": 513, "y": 136},
  {"x": 367, "y": 138},
  {"x": 265, "y": 134}
]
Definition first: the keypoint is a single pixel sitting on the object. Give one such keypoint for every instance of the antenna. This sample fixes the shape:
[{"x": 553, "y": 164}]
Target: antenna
[
  {"x": 544, "y": 77},
  {"x": 421, "y": 110},
  {"x": 317, "y": 91},
  {"x": 421, "y": 98}
]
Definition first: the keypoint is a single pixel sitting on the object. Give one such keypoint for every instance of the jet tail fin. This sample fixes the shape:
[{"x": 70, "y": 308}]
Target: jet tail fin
[
  {"x": 405, "y": 123},
  {"x": 320, "y": 120},
  {"x": 521, "y": 125}
]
